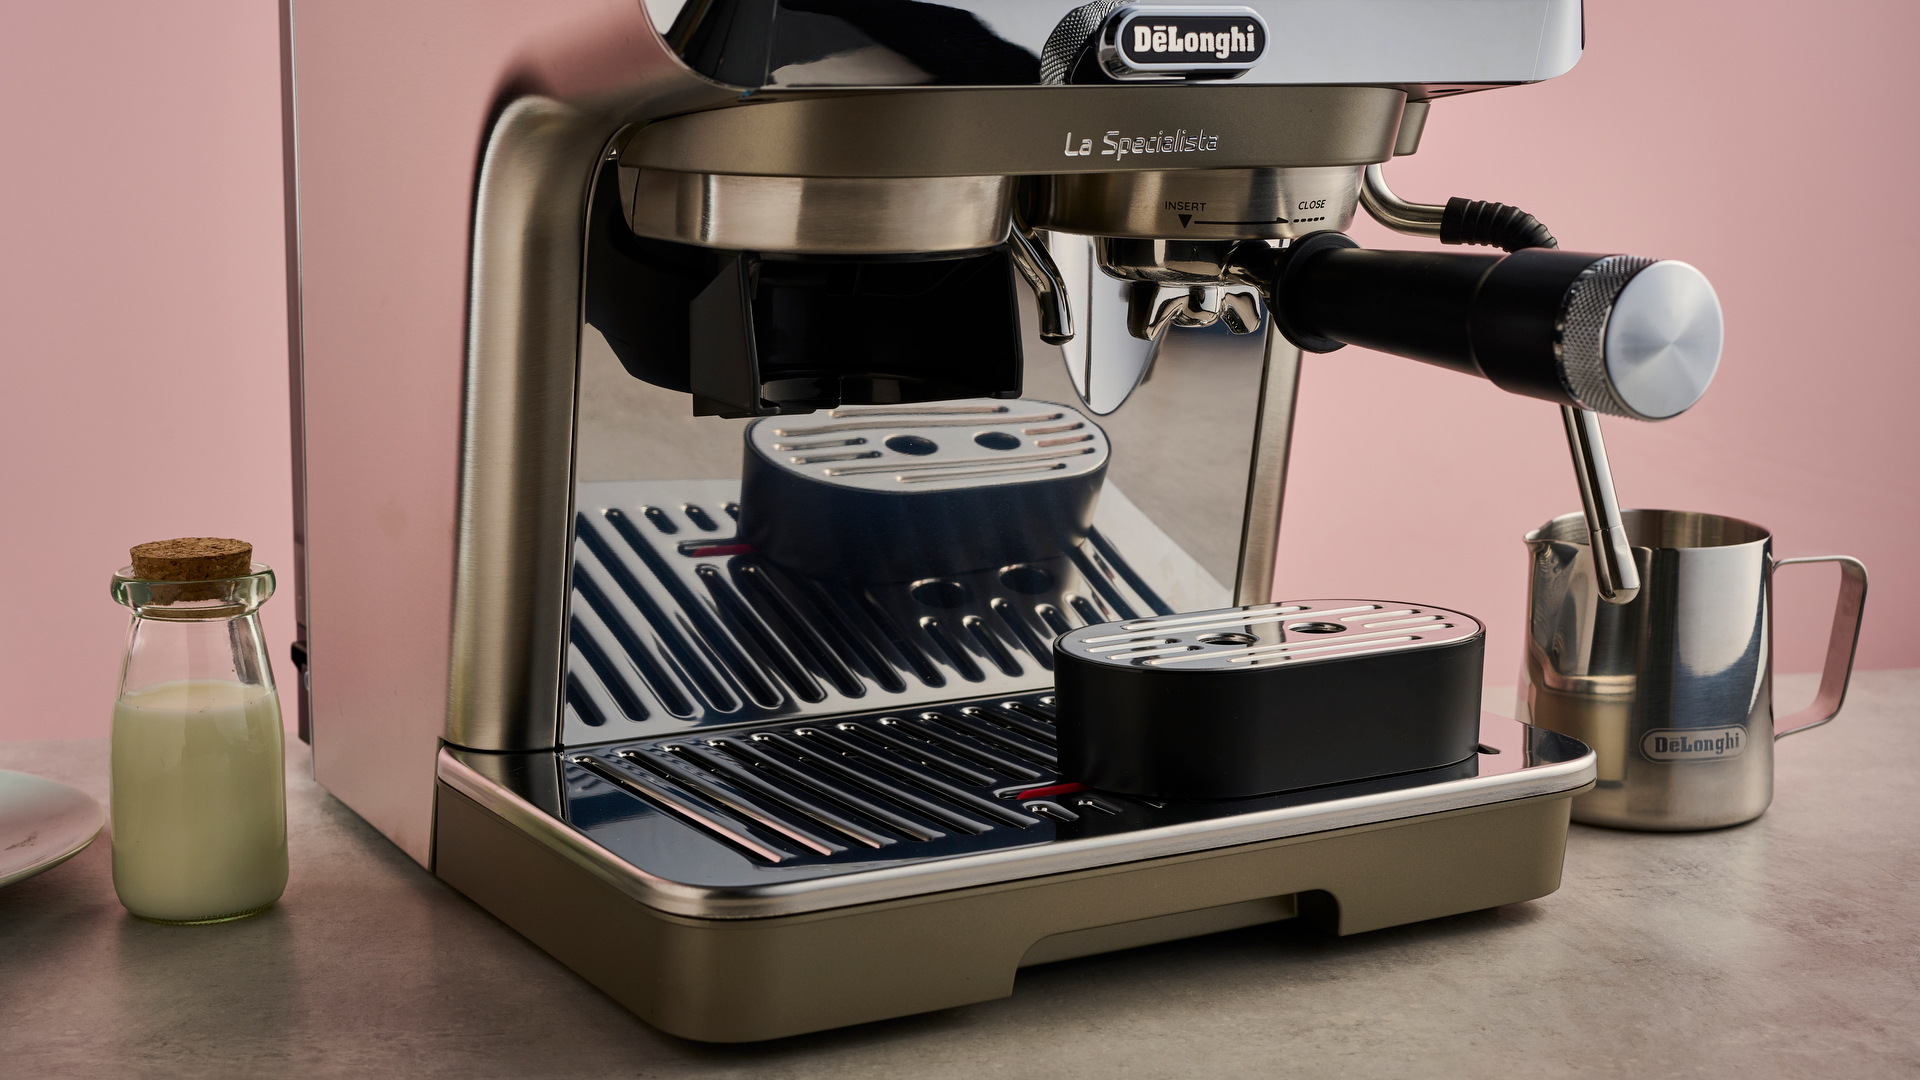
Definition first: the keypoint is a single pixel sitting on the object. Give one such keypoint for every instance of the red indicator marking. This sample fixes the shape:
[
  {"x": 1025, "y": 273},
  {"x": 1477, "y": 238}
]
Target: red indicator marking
[
  {"x": 1057, "y": 789},
  {"x": 719, "y": 550}
]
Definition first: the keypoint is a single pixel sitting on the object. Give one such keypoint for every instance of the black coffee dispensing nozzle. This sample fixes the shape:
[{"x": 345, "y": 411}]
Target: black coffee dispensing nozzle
[{"x": 1594, "y": 333}]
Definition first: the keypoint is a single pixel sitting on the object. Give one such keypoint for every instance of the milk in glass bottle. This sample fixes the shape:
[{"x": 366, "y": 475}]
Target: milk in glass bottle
[{"x": 199, "y": 780}]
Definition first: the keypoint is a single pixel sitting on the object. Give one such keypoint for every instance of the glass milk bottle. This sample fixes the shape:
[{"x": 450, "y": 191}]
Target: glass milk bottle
[{"x": 199, "y": 778}]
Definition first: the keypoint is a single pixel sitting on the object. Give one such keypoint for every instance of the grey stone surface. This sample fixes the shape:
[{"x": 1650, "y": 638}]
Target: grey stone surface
[{"x": 1784, "y": 948}]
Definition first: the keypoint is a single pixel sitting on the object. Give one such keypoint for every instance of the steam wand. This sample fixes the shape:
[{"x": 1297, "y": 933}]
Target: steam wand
[
  {"x": 1463, "y": 221},
  {"x": 1614, "y": 570}
]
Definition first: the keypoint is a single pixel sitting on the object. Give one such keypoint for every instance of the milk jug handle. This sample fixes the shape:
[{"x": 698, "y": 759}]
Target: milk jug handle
[{"x": 1841, "y": 647}]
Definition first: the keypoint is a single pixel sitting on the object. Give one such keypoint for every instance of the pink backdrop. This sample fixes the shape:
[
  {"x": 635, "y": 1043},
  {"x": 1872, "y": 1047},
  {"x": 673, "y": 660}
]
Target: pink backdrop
[
  {"x": 142, "y": 306},
  {"x": 1771, "y": 150}
]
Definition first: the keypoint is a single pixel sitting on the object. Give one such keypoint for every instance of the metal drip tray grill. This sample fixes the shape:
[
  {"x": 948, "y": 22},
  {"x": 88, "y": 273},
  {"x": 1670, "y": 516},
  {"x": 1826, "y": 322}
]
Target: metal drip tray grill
[
  {"x": 742, "y": 741},
  {"x": 676, "y": 624},
  {"x": 781, "y": 817},
  {"x": 843, "y": 793}
]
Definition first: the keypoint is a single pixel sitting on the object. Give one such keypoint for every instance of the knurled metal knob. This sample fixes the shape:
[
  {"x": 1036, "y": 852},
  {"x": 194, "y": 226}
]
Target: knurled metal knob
[{"x": 1639, "y": 337}]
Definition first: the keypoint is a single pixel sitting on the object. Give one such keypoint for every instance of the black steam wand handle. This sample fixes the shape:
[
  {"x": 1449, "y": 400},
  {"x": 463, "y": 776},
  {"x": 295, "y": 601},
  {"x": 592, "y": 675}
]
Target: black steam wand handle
[
  {"x": 1592, "y": 333},
  {"x": 1490, "y": 224},
  {"x": 1616, "y": 576}
]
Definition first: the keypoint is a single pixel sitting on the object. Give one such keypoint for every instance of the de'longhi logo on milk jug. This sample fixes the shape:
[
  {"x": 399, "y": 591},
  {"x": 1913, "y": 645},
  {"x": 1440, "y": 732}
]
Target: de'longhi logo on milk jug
[{"x": 1694, "y": 744}]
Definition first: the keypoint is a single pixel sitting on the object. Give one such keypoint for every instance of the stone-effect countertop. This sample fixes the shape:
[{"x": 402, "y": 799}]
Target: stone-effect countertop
[{"x": 1787, "y": 947}]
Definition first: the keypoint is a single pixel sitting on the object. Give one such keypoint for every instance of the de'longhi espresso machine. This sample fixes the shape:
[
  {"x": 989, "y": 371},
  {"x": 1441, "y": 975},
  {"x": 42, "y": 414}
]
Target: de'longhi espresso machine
[{"x": 789, "y": 489}]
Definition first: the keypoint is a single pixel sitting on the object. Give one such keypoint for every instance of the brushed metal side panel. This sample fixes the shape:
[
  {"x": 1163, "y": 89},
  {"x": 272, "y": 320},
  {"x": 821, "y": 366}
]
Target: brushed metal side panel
[
  {"x": 393, "y": 102},
  {"x": 383, "y": 203}
]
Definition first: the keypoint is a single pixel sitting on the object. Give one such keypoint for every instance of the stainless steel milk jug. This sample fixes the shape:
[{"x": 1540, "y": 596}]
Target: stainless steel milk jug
[{"x": 1674, "y": 691}]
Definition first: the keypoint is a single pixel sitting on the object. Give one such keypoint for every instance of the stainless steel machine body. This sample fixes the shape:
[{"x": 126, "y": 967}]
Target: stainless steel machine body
[{"x": 536, "y": 654}]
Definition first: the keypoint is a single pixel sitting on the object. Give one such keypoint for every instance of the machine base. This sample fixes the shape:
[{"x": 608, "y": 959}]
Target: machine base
[{"x": 747, "y": 979}]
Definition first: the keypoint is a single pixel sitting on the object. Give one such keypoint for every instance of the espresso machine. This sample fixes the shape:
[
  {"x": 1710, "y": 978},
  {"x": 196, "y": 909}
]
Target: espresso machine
[{"x": 719, "y": 426}]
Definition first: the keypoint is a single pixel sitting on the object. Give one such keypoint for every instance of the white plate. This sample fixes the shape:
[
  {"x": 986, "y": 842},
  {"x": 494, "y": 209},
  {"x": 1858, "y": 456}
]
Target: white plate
[{"x": 43, "y": 823}]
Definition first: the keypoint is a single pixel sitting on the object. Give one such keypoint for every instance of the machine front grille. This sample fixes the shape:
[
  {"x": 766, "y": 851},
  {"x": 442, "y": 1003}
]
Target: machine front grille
[{"x": 675, "y": 623}]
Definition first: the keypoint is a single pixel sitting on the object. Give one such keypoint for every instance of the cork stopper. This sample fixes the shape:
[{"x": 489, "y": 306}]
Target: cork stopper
[{"x": 192, "y": 558}]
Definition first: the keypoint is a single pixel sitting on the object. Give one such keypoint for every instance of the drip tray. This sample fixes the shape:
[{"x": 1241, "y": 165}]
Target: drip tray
[{"x": 775, "y": 819}]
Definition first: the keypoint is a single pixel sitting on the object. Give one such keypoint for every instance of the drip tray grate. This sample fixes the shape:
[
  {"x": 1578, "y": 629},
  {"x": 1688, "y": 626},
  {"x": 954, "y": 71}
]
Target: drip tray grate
[
  {"x": 759, "y": 805},
  {"x": 676, "y": 623},
  {"x": 898, "y": 786}
]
